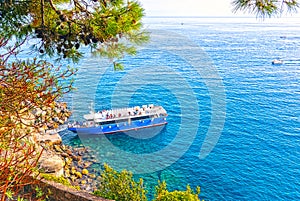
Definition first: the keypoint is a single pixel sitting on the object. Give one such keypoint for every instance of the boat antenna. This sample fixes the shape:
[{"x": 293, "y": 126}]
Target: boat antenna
[{"x": 91, "y": 107}]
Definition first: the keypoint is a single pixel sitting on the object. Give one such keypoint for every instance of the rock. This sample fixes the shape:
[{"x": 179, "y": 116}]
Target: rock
[
  {"x": 73, "y": 170},
  {"x": 57, "y": 148},
  {"x": 75, "y": 158},
  {"x": 68, "y": 161},
  {"x": 73, "y": 178},
  {"x": 87, "y": 164},
  {"x": 94, "y": 188},
  {"x": 69, "y": 152},
  {"x": 85, "y": 172},
  {"x": 64, "y": 147},
  {"x": 52, "y": 164},
  {"x": 78, "y": 174},
  {"x": 48, "y": 142},
  {"x": 82, "y": 149},
  {"x": 67, "y": 173},
  {"x": 89, "y": 181},
  {"x": 80, "y": 153},
  {"x": 54, "y": 139},
  {"x": 65, "y": 155}
]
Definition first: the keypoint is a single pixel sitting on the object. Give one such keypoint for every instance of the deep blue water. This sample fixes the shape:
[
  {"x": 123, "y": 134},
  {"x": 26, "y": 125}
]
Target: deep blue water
[{"x": 209, "y": 74}]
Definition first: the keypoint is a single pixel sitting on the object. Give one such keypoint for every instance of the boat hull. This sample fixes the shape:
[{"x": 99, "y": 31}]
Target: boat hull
[{"x": 120, "y": 127}]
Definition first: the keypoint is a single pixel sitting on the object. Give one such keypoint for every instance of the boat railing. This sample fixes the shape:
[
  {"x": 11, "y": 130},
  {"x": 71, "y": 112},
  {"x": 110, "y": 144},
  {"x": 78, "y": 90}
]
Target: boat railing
[
  {"x": 122, "y": 118},
  {"x": 125, "y": 113}
]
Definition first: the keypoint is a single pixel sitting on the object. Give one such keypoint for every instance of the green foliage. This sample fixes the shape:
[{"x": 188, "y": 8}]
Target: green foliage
[
  {"x": 162, "y": 194},
  {"x": 39, "y": 192},
  {"x": 266, "y": 8},
  {"x": 107, "y": 26},
  {"x": 120, "y": 186},
  {"x": 118, "y": 66},
  {"x": 9, "y": 194},
  {"x": 39, "y": 195},
  {"x": 62, "y": 180}
]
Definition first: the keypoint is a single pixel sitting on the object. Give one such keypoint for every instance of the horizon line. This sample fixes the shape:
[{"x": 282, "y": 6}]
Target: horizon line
[{"x": 217, "y": 16}]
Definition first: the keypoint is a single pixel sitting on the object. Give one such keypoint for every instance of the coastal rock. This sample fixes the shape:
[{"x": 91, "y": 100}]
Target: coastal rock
[
  {"x": 78, "y": 174},
  {"x": 73, "y": 170},
  {"x": 85, "y": 172},
  {"x": 67, "y": 173},
  {"x": 65, "y": 155},
  {"x": 87, "y": 164},
  {"x": 69, "y": 152},
  {"x": 75, "y": 158},
  {"x": 89, "y": 180},
  {"x": 73, "y": 178},
  {"x": 76, "y": 163},
  {"x": 68, "y": 161},
  {"x": 58, "y": 148},
  {"x": 63, "y": 147},
  {"x": 55, "y": 139},
  {"x": 52, "y": 164}
]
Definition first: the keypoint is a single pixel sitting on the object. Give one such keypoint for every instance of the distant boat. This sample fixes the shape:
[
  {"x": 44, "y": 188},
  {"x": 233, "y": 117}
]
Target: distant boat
[
  {"x": 121, "y": 120},
  {"x": 277, "y": 62}
]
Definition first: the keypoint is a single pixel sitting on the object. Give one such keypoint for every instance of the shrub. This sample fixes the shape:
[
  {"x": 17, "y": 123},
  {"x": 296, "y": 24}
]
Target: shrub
[
  {"x": 120, "y": 186},
  {"x": 162, "y": 194}
]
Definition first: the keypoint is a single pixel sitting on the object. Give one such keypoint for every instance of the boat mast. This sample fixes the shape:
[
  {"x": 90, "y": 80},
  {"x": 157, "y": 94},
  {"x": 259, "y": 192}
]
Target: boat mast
[{"x": 91, "y": 107}]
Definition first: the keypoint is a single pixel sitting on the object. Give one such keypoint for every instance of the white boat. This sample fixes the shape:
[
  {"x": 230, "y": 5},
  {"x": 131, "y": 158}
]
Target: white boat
[{"x": 277, "y": 62}]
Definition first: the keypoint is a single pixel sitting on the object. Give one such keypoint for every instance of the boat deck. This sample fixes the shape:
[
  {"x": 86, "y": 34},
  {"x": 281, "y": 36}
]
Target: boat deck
[{"x": 126, "y": 113}]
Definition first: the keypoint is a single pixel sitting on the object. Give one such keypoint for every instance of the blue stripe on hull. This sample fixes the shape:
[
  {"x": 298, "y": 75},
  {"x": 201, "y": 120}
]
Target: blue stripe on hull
[{"x": 120, "y": 127}]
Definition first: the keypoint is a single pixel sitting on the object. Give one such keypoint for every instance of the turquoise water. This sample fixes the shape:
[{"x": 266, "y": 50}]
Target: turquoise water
[{"x": 209, "y": 74}]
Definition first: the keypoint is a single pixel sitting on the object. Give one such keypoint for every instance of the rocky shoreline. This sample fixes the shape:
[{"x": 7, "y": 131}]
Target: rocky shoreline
[
  {"x": 59, "y": 160},
  {"x": 74, "y": 164}
]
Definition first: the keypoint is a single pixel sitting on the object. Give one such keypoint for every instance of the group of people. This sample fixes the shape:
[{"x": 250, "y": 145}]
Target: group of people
[{"x": 126, "y": 112}]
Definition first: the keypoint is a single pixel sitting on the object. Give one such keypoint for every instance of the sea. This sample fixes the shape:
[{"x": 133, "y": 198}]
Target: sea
[{"x": 233, "y": 117}]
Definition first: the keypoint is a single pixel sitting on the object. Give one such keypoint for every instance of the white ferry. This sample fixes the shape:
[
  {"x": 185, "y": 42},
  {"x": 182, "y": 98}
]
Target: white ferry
[{"x": 121, "y": 120}]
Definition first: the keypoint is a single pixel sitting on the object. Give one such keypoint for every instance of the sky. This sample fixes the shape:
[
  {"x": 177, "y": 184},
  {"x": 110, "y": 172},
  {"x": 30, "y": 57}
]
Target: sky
[
  {"x": 191, "y": 8},
  {"x": 187, "y": 7}
]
